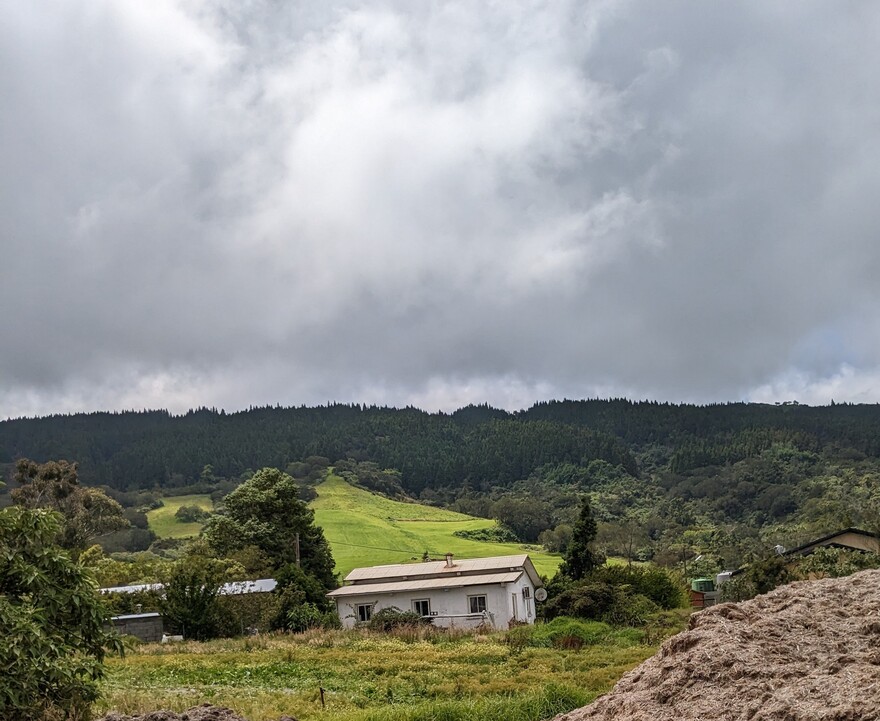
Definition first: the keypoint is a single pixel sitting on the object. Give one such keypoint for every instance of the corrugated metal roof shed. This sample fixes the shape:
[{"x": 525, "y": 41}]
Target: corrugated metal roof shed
[
  {"x": 134, "y": 589},
  {"x": 364, "y": 589},
  {"x": 134, "y": 616},
  {"x": 234, "y": 588},
  {"x": 237, "y": 588}
]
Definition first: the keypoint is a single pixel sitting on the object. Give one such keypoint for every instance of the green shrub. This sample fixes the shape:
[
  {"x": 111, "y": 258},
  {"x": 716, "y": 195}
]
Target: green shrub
[
  {"x": 392, "y": 617},
  {"x": 52, "y": 621},
  {"x": 571, "y": 633},
  {"x": 191, "y": 514},
  {"x": 495, "y": 534},
  {"x": 652, "y": 582}
]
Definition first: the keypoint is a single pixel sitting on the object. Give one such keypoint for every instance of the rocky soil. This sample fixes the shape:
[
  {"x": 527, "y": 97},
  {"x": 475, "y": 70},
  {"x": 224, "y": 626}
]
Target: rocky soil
[
  {"x": 809, "y": 651},
  {"x": 205, "y": 712}
]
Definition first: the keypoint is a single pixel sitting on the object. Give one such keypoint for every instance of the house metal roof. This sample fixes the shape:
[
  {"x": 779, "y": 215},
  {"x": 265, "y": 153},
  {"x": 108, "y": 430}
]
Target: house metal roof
[
  {"x": 828, "y": 540},
  {"x": 237, "y": 588},
  {"x": 134, "y": 616},
  {"x": 463, "y": 566},
  {"x": 424, "y": 584},
  {"x": 234, "y": 588}
]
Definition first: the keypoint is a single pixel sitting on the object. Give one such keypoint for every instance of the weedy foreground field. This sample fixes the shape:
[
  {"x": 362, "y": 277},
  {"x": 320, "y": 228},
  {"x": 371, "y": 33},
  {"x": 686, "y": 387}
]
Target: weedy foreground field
[{"x": 416, "y": 675}]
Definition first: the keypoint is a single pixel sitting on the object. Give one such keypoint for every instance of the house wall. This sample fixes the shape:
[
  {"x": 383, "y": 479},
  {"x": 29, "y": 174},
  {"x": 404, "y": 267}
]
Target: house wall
[{"x": 450, "y": 608}]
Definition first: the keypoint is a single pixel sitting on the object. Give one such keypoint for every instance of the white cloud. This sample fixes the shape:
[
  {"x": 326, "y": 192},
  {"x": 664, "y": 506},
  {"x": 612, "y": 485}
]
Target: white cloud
[{"x": 208, "y": 202}]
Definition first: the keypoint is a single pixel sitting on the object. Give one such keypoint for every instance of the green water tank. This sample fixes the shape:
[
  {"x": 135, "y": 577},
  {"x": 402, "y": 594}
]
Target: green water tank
[{"x": 703, "y": 585}]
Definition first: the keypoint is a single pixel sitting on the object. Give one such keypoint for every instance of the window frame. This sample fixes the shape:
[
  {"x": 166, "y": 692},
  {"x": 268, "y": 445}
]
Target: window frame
[
  {"x": 474, "y": 600},
  {"x": 426, "y": 601},
  {"x": 364, "y": 617}
]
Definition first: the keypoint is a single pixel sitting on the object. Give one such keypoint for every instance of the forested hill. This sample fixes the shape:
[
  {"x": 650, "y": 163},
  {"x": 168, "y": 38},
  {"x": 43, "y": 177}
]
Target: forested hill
[{"x": 475, "y": 447}]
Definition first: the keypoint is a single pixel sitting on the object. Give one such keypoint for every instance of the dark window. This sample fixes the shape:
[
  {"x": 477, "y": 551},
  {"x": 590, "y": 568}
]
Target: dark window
[
  {"x": 364, "y": 612},
  {"x": 527, "y": 592},
  {"x": 477, "y": 604},
  {"x": 422, "y": 607}
]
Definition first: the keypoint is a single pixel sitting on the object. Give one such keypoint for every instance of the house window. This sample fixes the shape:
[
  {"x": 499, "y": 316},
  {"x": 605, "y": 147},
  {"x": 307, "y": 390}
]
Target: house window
[
  {"x": 527, "y": 592},
  {"x": 422, "y": 606},
  {"x": 477, "y": 604},
  {"x": 364, "y": 612}
]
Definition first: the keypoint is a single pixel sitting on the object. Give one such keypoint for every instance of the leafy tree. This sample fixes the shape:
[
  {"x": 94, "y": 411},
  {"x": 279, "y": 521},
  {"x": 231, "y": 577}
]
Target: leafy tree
[
  {"x": 191, "y": 514},
  {"x": 265, "y": 511},
  {"x": 557, "y": 539},
  {"x": 52, "y": 621},
  {"x": 87, "y": 512},
  {"x": 526, "y": 518},
  {"x": 579, "y": 558},
  {"x": 191, "y": 590},
  {"x": 298, "y": 593}
]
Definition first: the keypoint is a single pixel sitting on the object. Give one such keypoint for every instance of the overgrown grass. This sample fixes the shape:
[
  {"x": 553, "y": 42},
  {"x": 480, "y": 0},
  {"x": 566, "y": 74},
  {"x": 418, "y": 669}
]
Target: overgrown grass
[
  {"x": 369, "y": 677},
  {"x": 165, "y": 525},
  {"x": 365, "y": 529}
]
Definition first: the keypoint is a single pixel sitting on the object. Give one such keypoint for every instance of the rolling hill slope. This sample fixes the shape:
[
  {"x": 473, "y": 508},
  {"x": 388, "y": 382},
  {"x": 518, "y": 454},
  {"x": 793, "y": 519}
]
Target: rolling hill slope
[{"x": 365, "y": 529}]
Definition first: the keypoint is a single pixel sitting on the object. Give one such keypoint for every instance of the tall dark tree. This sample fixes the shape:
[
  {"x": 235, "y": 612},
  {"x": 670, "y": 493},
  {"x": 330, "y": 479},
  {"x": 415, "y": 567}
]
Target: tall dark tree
[
  {"x": 579, "y": 558},
  {"x": 265, "y": 511}
]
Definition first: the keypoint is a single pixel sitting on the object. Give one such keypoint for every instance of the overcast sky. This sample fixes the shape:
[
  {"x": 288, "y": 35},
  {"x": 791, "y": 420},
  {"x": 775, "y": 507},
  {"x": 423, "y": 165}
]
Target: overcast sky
[{"x": 232, "y": 203}]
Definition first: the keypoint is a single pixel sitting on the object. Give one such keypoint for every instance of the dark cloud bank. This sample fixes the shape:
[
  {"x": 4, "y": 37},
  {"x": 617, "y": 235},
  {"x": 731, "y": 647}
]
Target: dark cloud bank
[{"x": 225, "y": 203}]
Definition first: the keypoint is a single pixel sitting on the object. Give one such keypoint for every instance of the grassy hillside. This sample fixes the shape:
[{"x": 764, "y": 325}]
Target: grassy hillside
[
  {"x": 368, "y": 530},
  {"x": 165, "y": 525}
]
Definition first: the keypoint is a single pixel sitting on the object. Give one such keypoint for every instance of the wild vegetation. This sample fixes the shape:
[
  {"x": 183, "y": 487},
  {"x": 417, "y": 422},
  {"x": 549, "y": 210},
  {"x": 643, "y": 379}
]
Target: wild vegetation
[
  {"x": 666, "y": 482},
  {"x": 414, "y": 673}
]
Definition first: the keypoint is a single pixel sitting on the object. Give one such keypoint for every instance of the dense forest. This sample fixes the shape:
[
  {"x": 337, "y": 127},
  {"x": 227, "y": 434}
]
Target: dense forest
[{"x": 790, "y": 468}]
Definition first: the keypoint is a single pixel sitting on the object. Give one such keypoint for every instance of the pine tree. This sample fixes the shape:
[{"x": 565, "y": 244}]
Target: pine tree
[{"x": 579, "y": 558}]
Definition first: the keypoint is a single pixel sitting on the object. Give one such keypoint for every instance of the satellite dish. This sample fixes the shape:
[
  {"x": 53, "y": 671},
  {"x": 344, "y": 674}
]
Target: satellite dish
[{"x": 540, "y": 594}]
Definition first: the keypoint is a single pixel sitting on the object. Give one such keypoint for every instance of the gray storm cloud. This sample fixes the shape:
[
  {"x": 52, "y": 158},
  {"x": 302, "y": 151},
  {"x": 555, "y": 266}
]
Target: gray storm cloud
[{"x": 222, "y": 203}]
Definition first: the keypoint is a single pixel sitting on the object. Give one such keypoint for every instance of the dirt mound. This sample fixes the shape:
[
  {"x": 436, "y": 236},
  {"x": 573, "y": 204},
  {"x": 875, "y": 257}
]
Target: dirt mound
[
  {"x": 809, "y": 651},
  {"x": 205, "y": 712}
]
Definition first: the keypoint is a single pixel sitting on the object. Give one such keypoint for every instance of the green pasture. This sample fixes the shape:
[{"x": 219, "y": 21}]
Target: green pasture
[
  {"x": 165, "y": 525},
  {"x": 365, "y": 677},
  {"x": 365, "y": 529}
]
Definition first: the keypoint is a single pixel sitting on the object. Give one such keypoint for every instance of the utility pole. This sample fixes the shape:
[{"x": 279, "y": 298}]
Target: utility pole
[{"x": 297, "y": 551}]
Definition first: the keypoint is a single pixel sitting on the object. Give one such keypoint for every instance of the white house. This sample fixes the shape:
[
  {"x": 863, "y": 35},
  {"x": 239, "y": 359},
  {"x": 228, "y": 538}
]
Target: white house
[{"x": 465, "y": 593}]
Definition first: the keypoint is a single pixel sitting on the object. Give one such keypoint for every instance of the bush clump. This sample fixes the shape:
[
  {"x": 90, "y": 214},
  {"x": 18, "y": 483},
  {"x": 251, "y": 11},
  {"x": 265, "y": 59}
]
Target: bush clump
[
  {"x": 191, "y": 514},
  {"x": 571, "y": 633},
  {"x": 392, "y": 618},
  {"x": 618, "y": 595},
  {"x": 495, "y": 534}
]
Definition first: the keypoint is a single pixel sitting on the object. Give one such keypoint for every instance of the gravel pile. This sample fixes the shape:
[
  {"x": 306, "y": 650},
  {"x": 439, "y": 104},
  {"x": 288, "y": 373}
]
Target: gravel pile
[{"x": 809, "y": 651}]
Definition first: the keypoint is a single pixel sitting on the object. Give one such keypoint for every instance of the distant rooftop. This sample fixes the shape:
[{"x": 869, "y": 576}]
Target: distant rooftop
[{"x": 233, "y": 588}]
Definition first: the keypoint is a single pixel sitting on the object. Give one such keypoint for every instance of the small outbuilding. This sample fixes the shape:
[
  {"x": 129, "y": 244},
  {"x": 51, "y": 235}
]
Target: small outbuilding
[
  {"x": 468, "y": 593},
  {"x": 145, "y": 626}
]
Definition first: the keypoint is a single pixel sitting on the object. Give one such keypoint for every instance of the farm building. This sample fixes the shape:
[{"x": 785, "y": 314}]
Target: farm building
[
  {"x": 466, "y": 593},
  {"x": 145, "y": 626},
  {"x": 853, "y": 539}
]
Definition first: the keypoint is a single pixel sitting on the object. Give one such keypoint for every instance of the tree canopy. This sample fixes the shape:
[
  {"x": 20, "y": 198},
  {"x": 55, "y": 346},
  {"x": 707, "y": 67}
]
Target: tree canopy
[
  {"x": 52, "y": 621},
  {"x": 579, "y": 558},
  {"x": 266, "y": 512},
  {"x": 86, "y": 512}
]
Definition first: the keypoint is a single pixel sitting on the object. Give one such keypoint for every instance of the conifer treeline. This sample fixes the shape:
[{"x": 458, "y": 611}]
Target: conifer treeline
[{"x": 477, "y": 446}]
